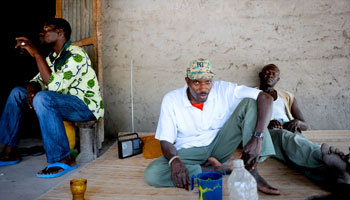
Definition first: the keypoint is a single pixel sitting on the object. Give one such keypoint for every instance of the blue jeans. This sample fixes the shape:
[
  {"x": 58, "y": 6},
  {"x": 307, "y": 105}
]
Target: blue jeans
[{"x": 52, "y": 109}]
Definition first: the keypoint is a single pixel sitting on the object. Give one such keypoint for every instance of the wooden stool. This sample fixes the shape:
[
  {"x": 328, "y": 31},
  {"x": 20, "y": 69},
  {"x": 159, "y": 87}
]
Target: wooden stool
[{"x": 88, "y": 141}]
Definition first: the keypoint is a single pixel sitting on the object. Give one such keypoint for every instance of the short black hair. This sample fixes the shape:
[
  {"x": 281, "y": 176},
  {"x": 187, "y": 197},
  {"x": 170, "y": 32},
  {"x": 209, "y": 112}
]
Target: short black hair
[
  {"x": 61, "y": 23},
  {"x": 269, "y": 66}
]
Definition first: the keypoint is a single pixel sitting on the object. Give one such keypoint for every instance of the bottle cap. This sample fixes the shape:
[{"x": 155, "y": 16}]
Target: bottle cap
[{"x": 237, "y": 163}]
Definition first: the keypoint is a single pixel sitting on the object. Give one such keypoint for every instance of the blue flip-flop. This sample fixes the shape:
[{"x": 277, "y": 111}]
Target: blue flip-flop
[
  {"x": 66, "y": 168},
  {"x": 7, "y": 163}
]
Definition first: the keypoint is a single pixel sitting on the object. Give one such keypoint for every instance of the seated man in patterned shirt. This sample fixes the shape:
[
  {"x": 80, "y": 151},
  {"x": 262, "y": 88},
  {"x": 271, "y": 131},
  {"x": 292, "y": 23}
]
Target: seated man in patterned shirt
[{"x": 66, "y": 88}]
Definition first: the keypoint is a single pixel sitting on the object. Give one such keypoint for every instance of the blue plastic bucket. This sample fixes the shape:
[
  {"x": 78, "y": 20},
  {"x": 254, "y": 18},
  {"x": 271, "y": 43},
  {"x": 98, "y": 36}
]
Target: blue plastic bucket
[{"x": 209, "y": 185}]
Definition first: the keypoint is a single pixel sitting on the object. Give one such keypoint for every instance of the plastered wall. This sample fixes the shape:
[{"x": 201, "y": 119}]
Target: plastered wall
[{"x": 308, "y": 40}]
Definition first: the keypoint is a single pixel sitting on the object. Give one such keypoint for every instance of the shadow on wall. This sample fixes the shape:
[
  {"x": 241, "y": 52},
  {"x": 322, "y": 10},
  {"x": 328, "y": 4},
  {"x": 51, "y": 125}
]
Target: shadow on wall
[{"x": 23, "y": 18}]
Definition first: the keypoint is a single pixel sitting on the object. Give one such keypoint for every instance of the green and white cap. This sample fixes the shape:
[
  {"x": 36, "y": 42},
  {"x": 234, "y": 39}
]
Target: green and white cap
[{"x": 200, "y": 69}]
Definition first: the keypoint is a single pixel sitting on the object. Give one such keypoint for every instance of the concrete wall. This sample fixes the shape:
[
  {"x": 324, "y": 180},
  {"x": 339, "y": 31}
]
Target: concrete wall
[{"x": 308, "y": 40}]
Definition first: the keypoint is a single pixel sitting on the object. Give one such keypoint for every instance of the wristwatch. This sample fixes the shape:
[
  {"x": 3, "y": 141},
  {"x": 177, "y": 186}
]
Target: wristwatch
[{"x": 258, "y": 134}]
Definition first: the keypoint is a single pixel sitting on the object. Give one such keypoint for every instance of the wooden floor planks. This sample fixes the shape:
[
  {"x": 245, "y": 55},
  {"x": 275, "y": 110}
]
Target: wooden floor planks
[{"x": 112, "y": 178}]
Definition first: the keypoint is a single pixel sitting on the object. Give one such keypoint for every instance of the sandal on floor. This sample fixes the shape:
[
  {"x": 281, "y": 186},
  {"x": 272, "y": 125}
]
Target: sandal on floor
[
  {"x": 31, "y": 151},
  {"x": 66, "y": 168},
  {"x": 7, "y": 163}
]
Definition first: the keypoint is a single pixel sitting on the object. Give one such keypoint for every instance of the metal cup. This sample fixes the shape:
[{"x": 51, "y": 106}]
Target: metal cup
[{"x": 78, "y": 188}]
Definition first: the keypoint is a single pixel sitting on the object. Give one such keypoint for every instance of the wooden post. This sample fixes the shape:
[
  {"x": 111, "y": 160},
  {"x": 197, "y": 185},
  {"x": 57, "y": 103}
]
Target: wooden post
[
  {"x": 98, "y": 45},
  {"x": 58, "y": 8}
]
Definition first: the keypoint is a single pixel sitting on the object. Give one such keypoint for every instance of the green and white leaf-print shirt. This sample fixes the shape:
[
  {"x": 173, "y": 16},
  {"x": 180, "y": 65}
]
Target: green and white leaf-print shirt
[{"x": 75, "y": 77}]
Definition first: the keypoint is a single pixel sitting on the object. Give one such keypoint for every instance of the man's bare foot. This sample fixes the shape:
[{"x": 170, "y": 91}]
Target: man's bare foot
[
  {"x": 337, "y": 162},
  {"x": 10, "y": 154},
  {"x": 213, "y": 164},
  {"x": 263, "y": 186},
  {"x": 54, "y": 170}
]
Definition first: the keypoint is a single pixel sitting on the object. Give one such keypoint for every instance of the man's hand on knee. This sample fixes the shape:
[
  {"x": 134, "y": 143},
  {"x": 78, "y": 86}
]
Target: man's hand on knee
[
  {"x": 292, "y": 126},
  {"x": 275, "y": 124},
  {"x": 179, "y": 174}
]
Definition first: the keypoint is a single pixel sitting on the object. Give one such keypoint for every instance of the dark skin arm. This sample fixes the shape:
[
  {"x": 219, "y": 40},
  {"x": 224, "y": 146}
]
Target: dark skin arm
[
  {"x": 179, "y": 173},
  {"x": 251, "y": 151},
  {"x": 43, "y": 67},
  {"x": 298, "y": 123},
  {"x": 45, "y": 71}
]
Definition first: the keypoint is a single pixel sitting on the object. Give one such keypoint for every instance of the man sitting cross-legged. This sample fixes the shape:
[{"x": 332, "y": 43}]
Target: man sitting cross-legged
[{"x": 202, "y": 124}]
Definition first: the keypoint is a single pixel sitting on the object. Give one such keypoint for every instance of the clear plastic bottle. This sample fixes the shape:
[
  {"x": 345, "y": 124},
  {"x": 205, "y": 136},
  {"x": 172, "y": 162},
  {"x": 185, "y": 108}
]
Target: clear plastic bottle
[{"x": 241, "y": 184}]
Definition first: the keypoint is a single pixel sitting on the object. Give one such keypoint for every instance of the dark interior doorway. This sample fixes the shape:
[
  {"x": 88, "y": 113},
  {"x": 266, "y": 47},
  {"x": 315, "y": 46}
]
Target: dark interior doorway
[{"x": 22, "y": 18}]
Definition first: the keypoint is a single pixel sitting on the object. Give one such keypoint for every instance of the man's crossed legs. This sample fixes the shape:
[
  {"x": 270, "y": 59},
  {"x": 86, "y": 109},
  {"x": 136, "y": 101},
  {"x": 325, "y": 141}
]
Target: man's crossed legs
[{"x": 238, "y": 128}]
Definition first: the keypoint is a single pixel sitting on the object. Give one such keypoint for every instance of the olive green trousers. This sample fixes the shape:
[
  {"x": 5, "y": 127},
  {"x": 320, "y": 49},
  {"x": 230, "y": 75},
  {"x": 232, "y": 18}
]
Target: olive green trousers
[{"x": 296, "y": 148}]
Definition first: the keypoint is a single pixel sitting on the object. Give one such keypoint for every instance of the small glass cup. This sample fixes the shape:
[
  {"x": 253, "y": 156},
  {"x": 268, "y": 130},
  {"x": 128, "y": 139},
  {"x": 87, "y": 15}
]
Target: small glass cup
[{"x": 78, "y": 188}]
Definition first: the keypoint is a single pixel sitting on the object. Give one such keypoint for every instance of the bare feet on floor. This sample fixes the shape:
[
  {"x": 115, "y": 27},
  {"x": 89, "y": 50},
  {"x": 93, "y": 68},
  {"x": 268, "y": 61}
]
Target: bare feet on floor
[
  {"x": 214, "y": 165},
  {"x": 54, "y": 170},
  {"x": 10, "y": 154},
  {"x": 337, "y": 162},
  {"x": 263, "y": 186}
]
